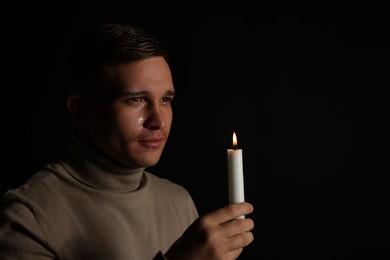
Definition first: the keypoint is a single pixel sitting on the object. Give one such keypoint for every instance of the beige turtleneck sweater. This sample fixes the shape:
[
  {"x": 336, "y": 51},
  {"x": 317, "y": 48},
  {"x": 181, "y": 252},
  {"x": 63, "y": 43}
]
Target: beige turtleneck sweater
[{"x": 86, "y": 206}]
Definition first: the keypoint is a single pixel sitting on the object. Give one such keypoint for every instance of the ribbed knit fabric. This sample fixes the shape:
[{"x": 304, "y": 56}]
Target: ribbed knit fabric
[{"x": 86, "y": 206}]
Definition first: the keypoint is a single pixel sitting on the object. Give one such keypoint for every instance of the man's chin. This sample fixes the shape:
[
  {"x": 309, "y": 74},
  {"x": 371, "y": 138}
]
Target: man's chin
[{"x": 149, "y": 162}]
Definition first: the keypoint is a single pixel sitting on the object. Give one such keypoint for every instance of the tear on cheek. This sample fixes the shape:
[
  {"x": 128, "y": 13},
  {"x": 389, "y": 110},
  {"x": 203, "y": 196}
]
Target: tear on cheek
[{"x": 141, "y": 120}]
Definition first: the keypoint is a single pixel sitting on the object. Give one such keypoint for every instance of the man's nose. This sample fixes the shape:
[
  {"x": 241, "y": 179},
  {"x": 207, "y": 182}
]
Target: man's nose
[{"x": 155, "y": 118}]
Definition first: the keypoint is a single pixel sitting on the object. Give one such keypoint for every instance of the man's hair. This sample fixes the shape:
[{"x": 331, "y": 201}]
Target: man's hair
[{"x": 95, "y": 57}]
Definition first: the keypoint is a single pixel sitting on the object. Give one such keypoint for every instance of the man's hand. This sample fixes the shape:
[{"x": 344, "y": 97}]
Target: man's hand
[{"x": 216, "y": 235}]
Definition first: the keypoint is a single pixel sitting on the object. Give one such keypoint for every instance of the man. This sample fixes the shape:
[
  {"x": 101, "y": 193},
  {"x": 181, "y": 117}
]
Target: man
[{"x": 98, "y": 201}]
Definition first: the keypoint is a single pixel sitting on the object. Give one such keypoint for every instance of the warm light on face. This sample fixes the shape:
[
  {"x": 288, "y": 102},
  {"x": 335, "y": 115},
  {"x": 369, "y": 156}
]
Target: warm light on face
[{"x": 234, "y": 139}]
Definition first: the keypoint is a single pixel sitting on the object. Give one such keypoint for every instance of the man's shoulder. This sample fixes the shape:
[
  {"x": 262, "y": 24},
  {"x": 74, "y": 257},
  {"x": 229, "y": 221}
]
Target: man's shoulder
[{"x": 41, "y": 183}]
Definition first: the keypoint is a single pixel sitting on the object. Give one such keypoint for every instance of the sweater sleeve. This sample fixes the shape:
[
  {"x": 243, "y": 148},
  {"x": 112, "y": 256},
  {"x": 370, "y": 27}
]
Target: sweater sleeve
[{"x": 21, "y": 236}]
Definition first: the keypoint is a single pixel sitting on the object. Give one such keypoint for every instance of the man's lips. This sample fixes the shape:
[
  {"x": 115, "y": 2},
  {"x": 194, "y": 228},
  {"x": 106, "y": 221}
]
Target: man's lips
[{"x": 153, "y": 142}]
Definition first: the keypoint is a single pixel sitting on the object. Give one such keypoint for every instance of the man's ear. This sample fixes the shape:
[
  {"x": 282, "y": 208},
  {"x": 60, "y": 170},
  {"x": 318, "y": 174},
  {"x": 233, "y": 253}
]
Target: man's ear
[{"x": 76, "y": 109}]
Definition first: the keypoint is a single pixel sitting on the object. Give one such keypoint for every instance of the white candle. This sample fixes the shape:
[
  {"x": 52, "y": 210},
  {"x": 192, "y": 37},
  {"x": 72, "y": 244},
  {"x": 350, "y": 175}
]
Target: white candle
[{"x": 236, "y": 174}]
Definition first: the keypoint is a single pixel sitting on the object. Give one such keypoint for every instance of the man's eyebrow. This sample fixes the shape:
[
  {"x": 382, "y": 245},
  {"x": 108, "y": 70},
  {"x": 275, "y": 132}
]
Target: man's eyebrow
[
  {"x": 171, "y": 92},
  {"x": 137, "y": 93},
  {"x": 134, "y": 93}
]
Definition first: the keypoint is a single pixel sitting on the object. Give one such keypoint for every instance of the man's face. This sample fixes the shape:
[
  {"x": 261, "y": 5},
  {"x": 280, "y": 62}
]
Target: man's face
[{"x": 130, "y": 122}]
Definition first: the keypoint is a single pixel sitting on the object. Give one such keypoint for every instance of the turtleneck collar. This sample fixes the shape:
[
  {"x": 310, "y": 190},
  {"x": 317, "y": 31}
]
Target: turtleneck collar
[{"x": 90, "y": 166}]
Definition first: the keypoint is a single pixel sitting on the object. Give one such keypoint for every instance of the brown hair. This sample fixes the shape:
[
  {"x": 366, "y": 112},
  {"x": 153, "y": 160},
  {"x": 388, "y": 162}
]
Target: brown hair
[{"x": 94, "y": 58}]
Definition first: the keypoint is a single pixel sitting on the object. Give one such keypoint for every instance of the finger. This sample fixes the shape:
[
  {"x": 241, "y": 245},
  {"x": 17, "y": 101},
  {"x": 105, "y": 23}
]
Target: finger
[
  {"x": 239, "y": 241},
  {"x": 237, "y": 226},
  {"x": 234, "y": 254},
  {"x": 229, "y": 212}
]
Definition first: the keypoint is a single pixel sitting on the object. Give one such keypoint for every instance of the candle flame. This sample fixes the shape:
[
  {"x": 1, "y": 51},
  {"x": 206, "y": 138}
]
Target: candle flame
[{"x": 234, "y": 139}]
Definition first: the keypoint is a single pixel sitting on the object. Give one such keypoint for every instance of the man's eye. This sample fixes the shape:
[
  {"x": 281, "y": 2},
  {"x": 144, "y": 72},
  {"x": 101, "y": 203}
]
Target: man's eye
[
  {"x": 166, "y": 99},
  {"x": 135, "y": 99}
]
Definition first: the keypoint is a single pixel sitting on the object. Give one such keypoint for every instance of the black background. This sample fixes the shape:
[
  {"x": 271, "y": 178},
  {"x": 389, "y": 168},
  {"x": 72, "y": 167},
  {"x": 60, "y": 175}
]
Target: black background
[{"x": 305, "y": 87}]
